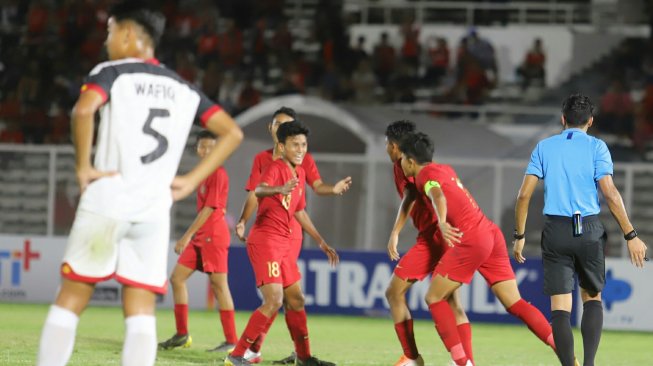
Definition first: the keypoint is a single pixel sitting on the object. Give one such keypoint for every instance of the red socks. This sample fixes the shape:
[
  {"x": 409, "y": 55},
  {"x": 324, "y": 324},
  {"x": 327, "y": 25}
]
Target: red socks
[
  {"x": 256, "y": 346},
  {"x": 535, "y": 321},
  {"x": 465, "y": 334},
  {"x": 253, "y": 330},
  {"x": 297, "y": 324},
  {"x": 228, "y": 326},
  {"x": 445, "y": 324},
  {"x": 181, "y": 318},
  {"x": 406, "y": 337}
]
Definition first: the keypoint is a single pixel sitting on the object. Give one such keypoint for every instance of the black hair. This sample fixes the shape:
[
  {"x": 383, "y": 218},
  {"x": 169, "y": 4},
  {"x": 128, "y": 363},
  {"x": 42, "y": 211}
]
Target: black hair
[
  {"x": 577, "y": 110},
  {"x": 142, "y": 13},
  {"x": 417, "y": 146},
  {"x": 398, "y": 129},
  {"x": 205, "y": 134},
  {"x": 285, "y": 110},
  {"x": 292, "y": 128}
]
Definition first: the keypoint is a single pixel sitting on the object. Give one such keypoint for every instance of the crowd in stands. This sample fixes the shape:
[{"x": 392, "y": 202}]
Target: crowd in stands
[
  {"x": 237, "y": 52},
  {"x": 626, "y": 105}
]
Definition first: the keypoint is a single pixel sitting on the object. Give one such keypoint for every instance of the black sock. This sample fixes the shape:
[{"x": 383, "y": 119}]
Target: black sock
[
  {"x": 590, "y": 327},
  {"x": 563, "y": 337}
]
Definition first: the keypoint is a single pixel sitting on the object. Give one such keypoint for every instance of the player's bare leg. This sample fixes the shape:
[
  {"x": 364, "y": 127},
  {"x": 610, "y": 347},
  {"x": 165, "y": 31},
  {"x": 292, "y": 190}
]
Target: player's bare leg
[
  {"x": 178, "y": 279},
  {"x": 462, "y": 323},
  {"x": 220, "y": 288},
  {"x": 508, "y": 293},
  {"x": 139, "y": 348},
  {"x": 441, "y": 289},
  {"x": 58, "y": 336},
  {"x": 403, "y": 321},
  {"x": 272, "y": 301},
  {"x": 298, "y": 326}
]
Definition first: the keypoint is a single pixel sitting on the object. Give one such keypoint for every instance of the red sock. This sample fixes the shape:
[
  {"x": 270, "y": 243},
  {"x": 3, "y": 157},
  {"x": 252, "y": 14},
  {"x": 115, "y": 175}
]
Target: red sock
[
  {"x": 535, "y": 321},
  {"x": 252, "y": 331},
  {"x": 465, "y": 334},
  {"x": 406, "y": 337},
  {"x": 298, "y": 326},
  {"x": 181, "y": 318},
  {"x": 256, "y": 346},
  {"x": 228, "y": 326},
  {"x": 445, "y": 324},
  {"x": 288, "y": 324}
]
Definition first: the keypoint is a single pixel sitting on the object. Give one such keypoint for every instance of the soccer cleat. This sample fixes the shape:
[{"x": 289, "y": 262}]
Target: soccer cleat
[
  {"x": 405, "y": 361},
  {"x": 223, "y": 347},
  {"x": 253, "y": 357},
  {"x": 313, "y": 361},
  {"x": 290, "y": 360},
  {"x": 235, "y": 361},
  {"x": 177, "y": 340},
  {"x": 469, "y": 363}
]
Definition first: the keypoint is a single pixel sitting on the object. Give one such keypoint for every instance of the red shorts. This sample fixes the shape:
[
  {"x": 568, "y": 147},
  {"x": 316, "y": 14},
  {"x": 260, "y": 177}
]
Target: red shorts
[
  {"x": 420, "y": 260},
  {"x": 483, "y": 250},
  {"x": 208, "y": 254},
  {"x": 273, "y": 261},
  {"x": 296, "y": 247}
]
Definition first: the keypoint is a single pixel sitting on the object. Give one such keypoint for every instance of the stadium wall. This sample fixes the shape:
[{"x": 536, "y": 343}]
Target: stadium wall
[{"x": 29, "y": 269}]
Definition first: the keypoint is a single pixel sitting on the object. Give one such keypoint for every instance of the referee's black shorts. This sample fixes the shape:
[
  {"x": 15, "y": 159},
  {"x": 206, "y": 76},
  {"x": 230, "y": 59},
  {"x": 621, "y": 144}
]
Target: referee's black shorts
[{"x": 563, "y": 254}]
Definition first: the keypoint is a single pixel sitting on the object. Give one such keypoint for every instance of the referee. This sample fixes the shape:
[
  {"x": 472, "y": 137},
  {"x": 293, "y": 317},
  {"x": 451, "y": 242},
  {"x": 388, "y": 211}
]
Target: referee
[{"x": 573, "y": 166}]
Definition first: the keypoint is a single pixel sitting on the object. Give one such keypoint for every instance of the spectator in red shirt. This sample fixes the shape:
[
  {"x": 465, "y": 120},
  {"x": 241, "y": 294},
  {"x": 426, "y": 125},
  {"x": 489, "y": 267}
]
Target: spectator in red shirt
[
  {"x": 231, "y": 46},
  {"x": 532, "y": 69},
  {"x": 617, "y": 110},
  {"x": 207, "y": 44},
  {"x": 11, "y": 133},
  {"x": 438, "y": 56},
  {"x": 384, "y": 60}
]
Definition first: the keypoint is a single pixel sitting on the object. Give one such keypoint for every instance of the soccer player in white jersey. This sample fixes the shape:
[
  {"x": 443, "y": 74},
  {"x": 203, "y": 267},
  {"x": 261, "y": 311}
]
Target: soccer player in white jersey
[{"x": 121, "y": 227}]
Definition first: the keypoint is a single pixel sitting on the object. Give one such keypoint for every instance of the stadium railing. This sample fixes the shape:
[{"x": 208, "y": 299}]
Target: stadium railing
[{"x": 39, "y": 194}]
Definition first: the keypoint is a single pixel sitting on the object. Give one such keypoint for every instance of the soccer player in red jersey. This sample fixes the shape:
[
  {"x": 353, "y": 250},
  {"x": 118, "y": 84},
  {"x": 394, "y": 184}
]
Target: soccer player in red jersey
[
  {"x": 261, "y": 161},
  {"x": 475, "y": 242},
  {"x": 204, "y": 247},
  {"x": 281, "y": 194},
  {"x": 420, "y": 260}
]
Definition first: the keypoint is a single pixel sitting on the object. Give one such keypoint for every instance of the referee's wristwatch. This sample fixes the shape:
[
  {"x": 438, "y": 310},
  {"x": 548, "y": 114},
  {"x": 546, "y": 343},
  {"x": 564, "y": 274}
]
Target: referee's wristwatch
[
  {"x": 631, "y": 235},
  {"x": 518, "y": 236}
]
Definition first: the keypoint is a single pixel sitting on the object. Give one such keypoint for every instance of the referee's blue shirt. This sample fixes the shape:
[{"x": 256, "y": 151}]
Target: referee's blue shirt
[{"x": 571, "y": 165}]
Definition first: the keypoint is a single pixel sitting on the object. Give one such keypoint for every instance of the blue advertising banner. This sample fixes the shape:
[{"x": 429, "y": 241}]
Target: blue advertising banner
[{"x": 357, "y": 286}]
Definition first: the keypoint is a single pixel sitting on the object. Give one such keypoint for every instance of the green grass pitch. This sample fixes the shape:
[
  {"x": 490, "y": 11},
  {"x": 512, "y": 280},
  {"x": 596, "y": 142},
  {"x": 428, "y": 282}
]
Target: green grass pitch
[{"x": 344, "y": 340}]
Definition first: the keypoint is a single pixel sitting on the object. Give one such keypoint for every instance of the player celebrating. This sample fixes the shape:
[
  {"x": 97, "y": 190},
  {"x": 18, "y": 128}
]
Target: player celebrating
[
  {"x": 261, "y": 161},
  {"x": 476, "y": 243},
  {"x": 420, "y": 260},
  {"x": 208, "y": 237},
  {"x": 121, "y": 227},
  {"x": 270, "y": 249}
]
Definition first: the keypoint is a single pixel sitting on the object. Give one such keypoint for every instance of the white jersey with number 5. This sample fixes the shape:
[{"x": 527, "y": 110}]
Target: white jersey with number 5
[{"x": 144, "y": 125}]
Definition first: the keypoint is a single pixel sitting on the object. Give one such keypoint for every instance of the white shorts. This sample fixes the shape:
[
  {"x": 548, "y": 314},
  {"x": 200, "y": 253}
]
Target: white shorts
[{"x": 133, "y": 253}]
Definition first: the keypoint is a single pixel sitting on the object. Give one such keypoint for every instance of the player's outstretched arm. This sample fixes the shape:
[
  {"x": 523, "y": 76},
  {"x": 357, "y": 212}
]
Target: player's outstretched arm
[
  {"x": 82, "y": 125},
  {"x": 265, "y": 190},
  {"x": 450, "y": 234},
  {"x": 307, "y": 224},
  {"x": 200, "y": 219},
  {"x": 636, "y": 246},
  {"x": 521, "y": 213},
  {"x": 230, "y": 136},
  {"x": 324, "y": 189},
  {"x": 249, "y": 206},
  {"x": 400, "y": 221}
]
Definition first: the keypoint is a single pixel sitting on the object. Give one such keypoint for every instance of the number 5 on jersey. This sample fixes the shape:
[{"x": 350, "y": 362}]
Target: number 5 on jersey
[
  {"x": 273, "y": 269},
  {"x": 162, "y": 141}
]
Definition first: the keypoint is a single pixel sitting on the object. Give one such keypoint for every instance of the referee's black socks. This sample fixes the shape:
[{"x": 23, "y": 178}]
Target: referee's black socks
[
  {"x": 563, "y": 337},
  {"x": 590, "y": 327}
]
